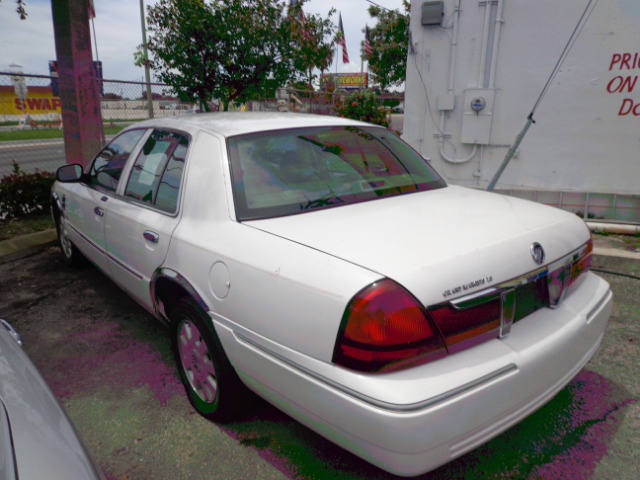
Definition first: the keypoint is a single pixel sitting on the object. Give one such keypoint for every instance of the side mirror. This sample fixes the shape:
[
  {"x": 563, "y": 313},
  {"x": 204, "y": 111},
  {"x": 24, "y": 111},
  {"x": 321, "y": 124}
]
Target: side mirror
[{"x": 69, "y": 173}]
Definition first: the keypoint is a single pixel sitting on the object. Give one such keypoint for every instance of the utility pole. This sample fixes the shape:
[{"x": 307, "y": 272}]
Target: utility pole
[{"x": 147, "y": 75}]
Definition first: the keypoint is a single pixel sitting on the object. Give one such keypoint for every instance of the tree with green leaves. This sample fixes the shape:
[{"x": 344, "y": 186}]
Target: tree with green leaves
[
  {"x": 232, "y": 50},
  {"x": 313, "y": 38},
  {"x": 389, "y": 40}
]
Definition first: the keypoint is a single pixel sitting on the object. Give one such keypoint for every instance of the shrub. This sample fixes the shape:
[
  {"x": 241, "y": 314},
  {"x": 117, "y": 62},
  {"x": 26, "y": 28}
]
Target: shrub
[
  {"x": 363, "y": 105},
  {"x": 24, "y": 194}
]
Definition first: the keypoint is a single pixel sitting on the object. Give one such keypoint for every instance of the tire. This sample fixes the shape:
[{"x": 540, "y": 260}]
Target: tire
[
  {"x": 210, "y": 381},
  {"x": 70, "y": 252}
]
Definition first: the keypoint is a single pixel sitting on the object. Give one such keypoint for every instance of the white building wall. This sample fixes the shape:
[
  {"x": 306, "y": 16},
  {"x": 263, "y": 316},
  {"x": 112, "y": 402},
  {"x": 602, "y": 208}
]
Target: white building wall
[{"x": 587, "y": 132}]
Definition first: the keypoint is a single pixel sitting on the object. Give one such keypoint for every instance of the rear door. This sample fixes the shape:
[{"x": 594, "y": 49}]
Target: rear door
[{"x": 141, "y": 221}]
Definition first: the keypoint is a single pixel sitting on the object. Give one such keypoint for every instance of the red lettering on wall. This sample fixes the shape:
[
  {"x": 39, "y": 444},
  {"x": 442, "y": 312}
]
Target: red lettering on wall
[
  {"x": 614, "y": 59},
  {"x": 618, "y": 84},
  {"x": 38, "y": 104},
  {"x": 625, "y": 61},
  {"x": 34, "y": 103},
  {"x": 629, "y": 107}
]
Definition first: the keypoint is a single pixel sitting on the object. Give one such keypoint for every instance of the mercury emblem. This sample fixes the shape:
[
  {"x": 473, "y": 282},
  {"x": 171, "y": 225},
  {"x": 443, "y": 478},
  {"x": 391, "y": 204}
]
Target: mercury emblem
[{"x": 537, "y": 252}]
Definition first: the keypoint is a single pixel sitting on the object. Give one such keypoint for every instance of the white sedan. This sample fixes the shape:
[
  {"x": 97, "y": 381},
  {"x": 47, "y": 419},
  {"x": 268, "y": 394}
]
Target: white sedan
[{"x": 323, "y": 264}]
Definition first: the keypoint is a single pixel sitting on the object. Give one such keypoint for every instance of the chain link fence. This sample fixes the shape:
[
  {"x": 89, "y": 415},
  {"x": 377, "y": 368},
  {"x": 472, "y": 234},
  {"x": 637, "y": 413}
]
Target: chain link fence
[
  {"x": 30, "y": 103},
  {"x": 31, "y": 116}
]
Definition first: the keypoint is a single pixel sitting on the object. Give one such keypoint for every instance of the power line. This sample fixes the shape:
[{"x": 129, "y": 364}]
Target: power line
[{"x": 380, "y": 6}]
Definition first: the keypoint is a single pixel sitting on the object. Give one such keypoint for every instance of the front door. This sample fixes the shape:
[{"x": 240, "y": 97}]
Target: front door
[{"x": 86, "y": 204}]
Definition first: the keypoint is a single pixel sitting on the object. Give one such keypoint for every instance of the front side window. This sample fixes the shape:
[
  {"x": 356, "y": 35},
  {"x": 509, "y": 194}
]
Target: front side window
[
  {"x": 156, "y": 175},
  {"x": 287, "y": 172},
  {"x": 106, "y": 168}
]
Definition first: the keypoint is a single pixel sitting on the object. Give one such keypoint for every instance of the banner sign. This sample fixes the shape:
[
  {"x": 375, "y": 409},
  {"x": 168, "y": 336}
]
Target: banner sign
[
  {"x": 346, "y": 81},
  {"x": 38, "y": 100}
]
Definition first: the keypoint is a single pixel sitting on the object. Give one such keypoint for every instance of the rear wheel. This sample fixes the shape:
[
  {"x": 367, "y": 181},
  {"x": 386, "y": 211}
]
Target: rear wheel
[{"x": 211, "y": 383}]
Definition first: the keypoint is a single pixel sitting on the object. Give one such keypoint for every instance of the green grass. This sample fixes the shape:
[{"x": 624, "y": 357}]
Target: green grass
[
  {"x": 24, "y": 226},
  {"x": 47, "y": 133}
]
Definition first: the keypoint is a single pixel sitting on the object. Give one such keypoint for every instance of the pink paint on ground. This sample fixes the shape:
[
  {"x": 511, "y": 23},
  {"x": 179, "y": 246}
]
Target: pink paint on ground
[
  {"x": 110, "y": 358},
  {"x": 582, "y": 437}
]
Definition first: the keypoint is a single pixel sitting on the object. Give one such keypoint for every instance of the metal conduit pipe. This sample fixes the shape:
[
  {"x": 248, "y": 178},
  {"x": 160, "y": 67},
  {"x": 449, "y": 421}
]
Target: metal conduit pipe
[
  {"x": 496, "y": 40},
  {"x": 485, "y": 44},
  {"x": 622, "y": 228},
  {"x": 454, "y": 48}
]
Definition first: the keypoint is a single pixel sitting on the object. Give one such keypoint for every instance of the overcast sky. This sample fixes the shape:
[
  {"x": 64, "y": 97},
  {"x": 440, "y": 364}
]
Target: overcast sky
[{"x": 118, "y": 32}]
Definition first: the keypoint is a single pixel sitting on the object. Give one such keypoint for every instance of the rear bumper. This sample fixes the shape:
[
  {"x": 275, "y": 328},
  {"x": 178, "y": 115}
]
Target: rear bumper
[{"x": 413, "y": 421}]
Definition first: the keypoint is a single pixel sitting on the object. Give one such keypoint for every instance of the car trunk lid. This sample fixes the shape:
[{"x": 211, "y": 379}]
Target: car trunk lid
[{"x": 441, "y": 244}]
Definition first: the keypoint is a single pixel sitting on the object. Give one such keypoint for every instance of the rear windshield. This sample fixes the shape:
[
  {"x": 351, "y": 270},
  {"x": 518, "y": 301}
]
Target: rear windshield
[{"x": 288, "y": 172}]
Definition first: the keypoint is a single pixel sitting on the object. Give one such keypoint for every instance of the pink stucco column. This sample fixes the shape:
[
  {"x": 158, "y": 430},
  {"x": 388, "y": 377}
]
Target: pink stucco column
[{"x": 79, "y": 93}]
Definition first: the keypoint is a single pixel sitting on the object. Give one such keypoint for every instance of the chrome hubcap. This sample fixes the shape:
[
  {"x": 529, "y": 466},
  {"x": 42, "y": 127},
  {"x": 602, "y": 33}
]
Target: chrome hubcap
[
  {"x": 196, "y": 362},
  {"x": 65, "y": 243}
]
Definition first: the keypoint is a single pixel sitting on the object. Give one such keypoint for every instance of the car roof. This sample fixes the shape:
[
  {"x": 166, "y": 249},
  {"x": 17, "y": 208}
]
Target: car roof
[{"x": 229, "y": 124}]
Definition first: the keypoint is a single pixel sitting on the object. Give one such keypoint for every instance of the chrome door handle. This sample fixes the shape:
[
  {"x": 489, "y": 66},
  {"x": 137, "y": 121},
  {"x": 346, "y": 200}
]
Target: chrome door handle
[
  {"x": 98, "y": 211},
  {"x": 153, "y": 237}
]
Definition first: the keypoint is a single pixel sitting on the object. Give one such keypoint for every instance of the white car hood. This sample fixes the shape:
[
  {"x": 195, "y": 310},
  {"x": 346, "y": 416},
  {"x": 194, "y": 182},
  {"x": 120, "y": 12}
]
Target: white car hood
[{"x": 439, "y": 244}]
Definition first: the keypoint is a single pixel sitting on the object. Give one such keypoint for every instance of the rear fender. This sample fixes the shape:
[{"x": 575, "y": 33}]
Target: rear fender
[{"x": 167, "y": 287}]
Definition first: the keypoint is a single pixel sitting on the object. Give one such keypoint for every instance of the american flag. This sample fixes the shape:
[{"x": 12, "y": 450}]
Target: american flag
[
  {"x": 341, "y": 40},
  {"x": 91, "y": 8},
  {"x": 368, "y": 50}
]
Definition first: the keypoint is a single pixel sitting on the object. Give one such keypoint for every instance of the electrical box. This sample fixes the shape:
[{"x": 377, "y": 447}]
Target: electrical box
[
  {"x": 477, "y": 116},
  {"x": 446, "y": 102},
  {"x": 432, "y": 13}
]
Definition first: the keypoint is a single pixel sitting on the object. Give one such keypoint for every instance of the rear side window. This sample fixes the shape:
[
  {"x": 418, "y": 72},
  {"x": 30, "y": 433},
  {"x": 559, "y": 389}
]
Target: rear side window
[
  {"x": 156, "y": 175},
  {"x": 107, "y": 166}
]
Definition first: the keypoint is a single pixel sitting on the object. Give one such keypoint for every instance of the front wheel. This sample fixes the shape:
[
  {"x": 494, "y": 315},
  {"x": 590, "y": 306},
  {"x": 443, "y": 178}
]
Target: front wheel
[
  {"x": 211, "y": 383},
  {"x": 72, "y": 255}
]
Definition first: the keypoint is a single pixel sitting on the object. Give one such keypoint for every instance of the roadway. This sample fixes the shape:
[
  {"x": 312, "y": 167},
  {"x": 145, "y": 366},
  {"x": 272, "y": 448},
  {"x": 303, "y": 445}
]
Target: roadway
[{"x": 44, "y": 155}]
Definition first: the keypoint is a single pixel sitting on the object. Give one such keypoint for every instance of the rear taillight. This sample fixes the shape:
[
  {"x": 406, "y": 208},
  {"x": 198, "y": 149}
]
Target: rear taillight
[
  {"x": 385, "y": 328},
  {"x": 580, "y": 264},
  {"x": 465, "y": 324},
  {"x": 567, "y": 271},
  {"x": 583, "y": 262}
]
